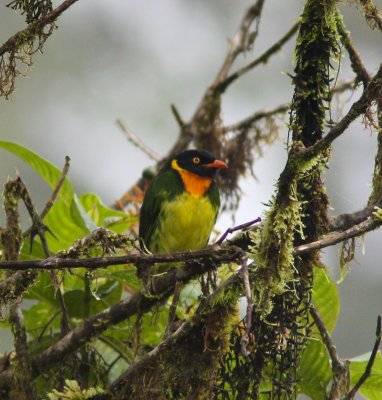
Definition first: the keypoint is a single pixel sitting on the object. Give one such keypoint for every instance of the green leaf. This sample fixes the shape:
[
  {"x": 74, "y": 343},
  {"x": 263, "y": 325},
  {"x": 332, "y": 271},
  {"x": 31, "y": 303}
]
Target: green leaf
[
  {"x": 104, "y": 216},
  {"x": 109, "y": 293},
  {"x": 60, "y": 221},
  {"x": 80, "y": 216},
  {"x": 44, "y": 168},
  {"x": 314, "y": 370},
  {"x": 74, "y": 300},
  {"x": 314, "y": 373},
  {"x": 372, "y": 387},
  {"x": 326, "y": 298}
]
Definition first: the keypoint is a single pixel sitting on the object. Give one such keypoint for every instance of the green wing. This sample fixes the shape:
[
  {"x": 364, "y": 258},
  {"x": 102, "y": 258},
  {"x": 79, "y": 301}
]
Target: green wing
[
  {"x": 164, "y": 187},
  {"x": 214, "y": 196}
]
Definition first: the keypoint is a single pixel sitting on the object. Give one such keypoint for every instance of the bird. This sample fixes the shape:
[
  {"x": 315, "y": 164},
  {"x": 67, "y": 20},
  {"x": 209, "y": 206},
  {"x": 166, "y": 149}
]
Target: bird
[{"x": 180, "y": 206}]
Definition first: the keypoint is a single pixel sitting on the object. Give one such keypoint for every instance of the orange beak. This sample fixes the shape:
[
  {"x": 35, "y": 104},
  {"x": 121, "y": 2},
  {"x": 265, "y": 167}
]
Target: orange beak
[{"x": 217, "y": 164}]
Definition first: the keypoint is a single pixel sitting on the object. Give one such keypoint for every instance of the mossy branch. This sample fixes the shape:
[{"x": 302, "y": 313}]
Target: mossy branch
[
  {"x": 21, "y": 46},
  {"x": 372, "y": 14}
]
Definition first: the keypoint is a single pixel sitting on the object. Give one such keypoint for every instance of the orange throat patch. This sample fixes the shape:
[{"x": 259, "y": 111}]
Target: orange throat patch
[{"x": 196, "y": 185}]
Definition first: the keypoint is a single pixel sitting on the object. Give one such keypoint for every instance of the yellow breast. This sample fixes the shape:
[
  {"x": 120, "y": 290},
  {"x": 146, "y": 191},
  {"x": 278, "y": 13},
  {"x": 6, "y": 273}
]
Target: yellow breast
[{"x": 184, "y": 224}]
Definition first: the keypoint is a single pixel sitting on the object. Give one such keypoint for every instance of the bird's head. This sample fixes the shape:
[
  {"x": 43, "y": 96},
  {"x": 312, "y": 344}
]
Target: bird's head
[{"x": 198, "y": 162}]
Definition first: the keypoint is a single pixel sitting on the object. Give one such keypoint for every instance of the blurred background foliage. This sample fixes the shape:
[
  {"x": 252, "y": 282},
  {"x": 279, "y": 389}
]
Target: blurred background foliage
[{"x": 129, "y": 60}]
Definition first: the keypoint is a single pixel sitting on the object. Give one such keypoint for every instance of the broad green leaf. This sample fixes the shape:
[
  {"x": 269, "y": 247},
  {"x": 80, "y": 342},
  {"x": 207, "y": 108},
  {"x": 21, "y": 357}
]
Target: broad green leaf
[
  {"x": 109, "y": 293},
  {"x": 126, "y": 275},
  {"x": 80, "y": 217},
  {"x": 42, "y": 290},
  {"x": 44, "y": 168},
  {"x": 75, "y": 300},
  {"x": 372, "y": 387},
  {"x": 41, "y": 316},
  {"x": 104, "y": 216},
  {"x": 326, "y": 298},
  {"x": 314, "y": 373}
]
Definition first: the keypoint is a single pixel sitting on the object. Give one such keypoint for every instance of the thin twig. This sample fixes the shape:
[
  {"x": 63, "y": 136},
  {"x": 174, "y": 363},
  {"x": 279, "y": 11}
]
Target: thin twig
[
  {"x": 137, "y": 142},
  {"x": 177, "y": 116},
  {"x": 241, "y": 227},
  {"x": 369, "y": 365},
  {"x": 54, "y": 194},
  {"x": 56, "y": 190},
  {"x": 280, "y": 109},
  {"x": 258, "y": 115},
  {"x": 172, "y": 310}
]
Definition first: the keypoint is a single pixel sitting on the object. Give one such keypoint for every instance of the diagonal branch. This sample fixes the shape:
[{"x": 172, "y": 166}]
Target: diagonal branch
[
  {"x": 369, "y": 365},
  {"x": 368, "y": 225},
  {"x": 356, "y": 62},
  {"x": 370, "y": 94},
  {"x": 137, "y": 142},
  {"x": 263, "y": 59},
  {"x": 280, "y": 109},
  {"x": 340, "y": 368}
]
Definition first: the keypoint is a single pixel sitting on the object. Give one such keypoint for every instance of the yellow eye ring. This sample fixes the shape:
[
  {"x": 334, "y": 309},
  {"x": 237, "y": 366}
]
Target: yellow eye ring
[{"x": 196, "y": 160}]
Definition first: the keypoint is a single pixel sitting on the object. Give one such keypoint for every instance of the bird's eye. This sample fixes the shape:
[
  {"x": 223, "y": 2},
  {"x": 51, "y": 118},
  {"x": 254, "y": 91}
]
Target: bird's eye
[{"x": 196, "y": 160}]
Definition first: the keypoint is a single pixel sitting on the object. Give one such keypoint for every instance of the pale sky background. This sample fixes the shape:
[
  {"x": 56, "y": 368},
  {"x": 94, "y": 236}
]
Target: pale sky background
[{"x": 131, "y": 60}]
